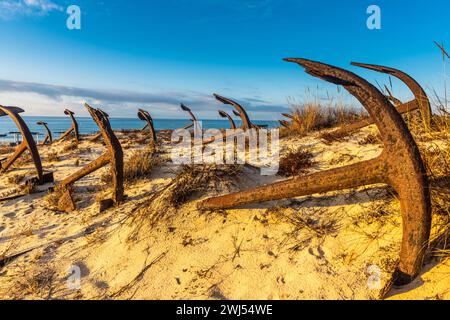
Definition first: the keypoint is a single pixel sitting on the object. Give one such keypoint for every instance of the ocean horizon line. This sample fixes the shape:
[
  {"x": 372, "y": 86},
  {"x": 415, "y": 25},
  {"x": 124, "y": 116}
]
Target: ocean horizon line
[{"x": 154, "y": 118}]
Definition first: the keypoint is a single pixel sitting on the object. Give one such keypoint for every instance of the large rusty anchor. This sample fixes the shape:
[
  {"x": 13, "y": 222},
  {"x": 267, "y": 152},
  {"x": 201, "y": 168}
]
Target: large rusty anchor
[
  {"x": 420, "y": 102},
  {"x": 27, "y": 143},
  {"x": 73, "y": 129},
  {"x": 48, "y": 134},
  {"x": 223, "y": 114},
  {"x": 400, "y": 166},
  {"x": 113, "y": 156},
  {"x": 145, "y": 116}
]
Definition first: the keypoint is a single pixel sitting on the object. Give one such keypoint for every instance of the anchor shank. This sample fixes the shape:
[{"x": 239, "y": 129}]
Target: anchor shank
[
  {"x": 17, "y": 153},
  {"x": 100, "y": 162},
  {"x": 363, "y": 173}
]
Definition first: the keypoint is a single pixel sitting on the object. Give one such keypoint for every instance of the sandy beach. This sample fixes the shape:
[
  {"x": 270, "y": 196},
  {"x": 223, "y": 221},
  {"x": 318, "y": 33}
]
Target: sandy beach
[{"x": 326, "y": 246}]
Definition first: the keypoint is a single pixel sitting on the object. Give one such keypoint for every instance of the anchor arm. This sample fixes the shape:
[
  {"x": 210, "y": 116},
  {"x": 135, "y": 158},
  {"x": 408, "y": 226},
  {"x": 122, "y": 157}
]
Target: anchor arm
[
  {"x": 188, "y": 110},
  {"x": 48, "y": 136},
  {"x": 27, "y": 143},
  {"x": 419, "y": 93},
  {"x": 223, "y": 114}
]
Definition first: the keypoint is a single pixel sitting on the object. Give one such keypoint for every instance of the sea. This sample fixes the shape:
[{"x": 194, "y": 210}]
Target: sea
[{"x": 86, "y": 125}]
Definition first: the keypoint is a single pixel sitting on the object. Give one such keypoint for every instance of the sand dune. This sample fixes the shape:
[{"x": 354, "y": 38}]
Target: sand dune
[{"x": 340, "y": 245}]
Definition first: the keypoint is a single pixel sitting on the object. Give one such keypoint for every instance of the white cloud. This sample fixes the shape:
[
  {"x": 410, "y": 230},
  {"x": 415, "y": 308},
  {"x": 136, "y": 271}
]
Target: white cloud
[
  {"x": 45, "y": 99},
  {"x": 9, "y": 9}
]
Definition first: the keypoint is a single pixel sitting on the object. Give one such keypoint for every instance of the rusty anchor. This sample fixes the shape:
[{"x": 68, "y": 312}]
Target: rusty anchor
[
  {"x": 239, "y": 111},
  {"x": 27, "y": 143},
  {"x": 112, "y": 156},
  {"x": 420, "y": 102},
  {"x": 223, "y": 114},
  {"x": 145, "y": 116},
  {"x": 285, "y": 123},
  {"x": 191, "y": 114},
  {"x": 48, "y": 134},
  {"x": 73, "y": 129},
  {"x": 400, "y": 166}
]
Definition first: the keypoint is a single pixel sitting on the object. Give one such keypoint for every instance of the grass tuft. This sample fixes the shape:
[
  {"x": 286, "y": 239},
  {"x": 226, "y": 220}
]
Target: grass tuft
[
  {"x": 70, "y": 147},
  {"x": 295, "y": 162},
  {"x": 190, "y": 180},
  {"x": 313, "y": 116},
  {"x": 138, "y": 166}
]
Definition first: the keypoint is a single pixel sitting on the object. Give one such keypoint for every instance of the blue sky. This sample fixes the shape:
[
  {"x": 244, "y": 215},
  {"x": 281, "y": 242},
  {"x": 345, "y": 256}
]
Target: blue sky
[{"x": 157, "y": 53}]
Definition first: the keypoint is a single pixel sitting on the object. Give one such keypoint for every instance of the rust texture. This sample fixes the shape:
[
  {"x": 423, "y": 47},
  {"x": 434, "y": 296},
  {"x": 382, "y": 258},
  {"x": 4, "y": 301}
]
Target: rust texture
[
  {"x": 421, "y": 101},
  {"x": 27, "y": 143},
  {"x": 112, "y": 156},
  {"x": 48, "y": 136},
  {"x": 99, "y": 134},
  {"x": 73, "y": 129},
  {"x": 145, "y": 116},
  {"x": 400, "y": 166},
  {"x": 223, "y": 114}
]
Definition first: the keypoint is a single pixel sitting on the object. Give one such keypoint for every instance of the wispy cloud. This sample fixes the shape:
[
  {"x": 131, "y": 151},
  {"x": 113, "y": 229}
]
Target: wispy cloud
[
  {"x": 57, "y": 93},
  {"x": 9, "y": 9},
  {"x": 45, "y": 99}
]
